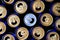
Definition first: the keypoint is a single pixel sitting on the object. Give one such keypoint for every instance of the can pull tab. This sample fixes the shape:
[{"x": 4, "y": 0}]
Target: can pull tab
[
  {"x": 14, "y": 22},
  {"x": 59, "y": 26},
  {"x": 38, "y": 8},
  {"x": 0, "y": 14},
  {"x": 37, "y": 35},
  {"x": 32, "y": 20},
  {"x": 20, "y": 4},
  {"x": 0, "y": 29},
  {"x": 7, "y": 38},
  {"x": 20, "y": 34}
]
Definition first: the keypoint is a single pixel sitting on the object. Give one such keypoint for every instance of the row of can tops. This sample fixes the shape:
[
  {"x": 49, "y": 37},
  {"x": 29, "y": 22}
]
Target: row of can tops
[
  {"x": 22, "y": 33},
  {"x": 38, "y": 7},
  {"x": 12, "y": 1},
  {"x": 30, "y": 19}
]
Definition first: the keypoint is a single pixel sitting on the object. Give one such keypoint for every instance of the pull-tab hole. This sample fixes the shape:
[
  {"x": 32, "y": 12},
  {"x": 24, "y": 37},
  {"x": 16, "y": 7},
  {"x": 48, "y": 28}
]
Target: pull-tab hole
[
  {"x": 52, "y": 35},
  {"x": 44, "y": 18},
  {"x": 59, "y": 26},
  {"x": 14, "y": 23},
  {"x": 38, "y": 8},
  {"x": 0, "y": 30},
  {"x": 20, "y": 4},
  {"x": 58, "y": 10},
  {"x": 1, "y": 14},
  {"x": 20, "y": 34},
  {"x": 32, "y": 20},
  {"x": 7, "y": 38},
  {"x": 37, "y": 35},
  {"x": 7, "y": 0}
]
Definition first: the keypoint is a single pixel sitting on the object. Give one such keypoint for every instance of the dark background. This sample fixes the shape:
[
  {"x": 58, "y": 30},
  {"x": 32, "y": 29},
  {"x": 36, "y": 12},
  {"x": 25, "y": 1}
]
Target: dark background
[{"x": 10, "y": 10}]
